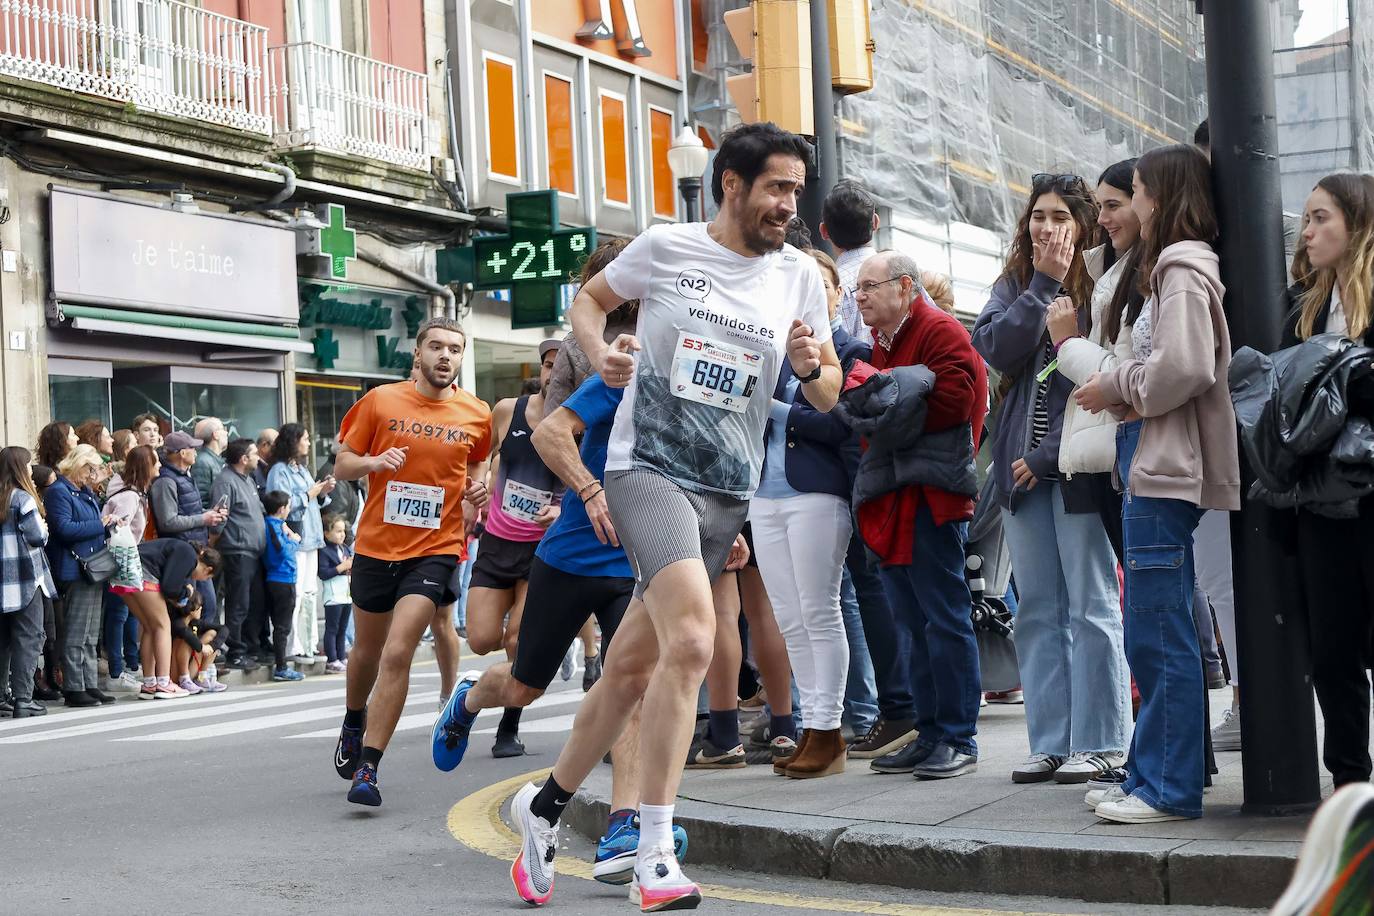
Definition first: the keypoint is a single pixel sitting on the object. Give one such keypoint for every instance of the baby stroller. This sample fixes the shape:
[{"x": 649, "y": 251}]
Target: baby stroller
[{"x": 987, "y": 567}]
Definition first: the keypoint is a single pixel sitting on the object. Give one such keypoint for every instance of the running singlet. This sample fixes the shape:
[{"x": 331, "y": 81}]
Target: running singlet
[
  {"x": 571, "y": 544},
  {"x": 418, "y": 510},
  {"x": 524, "y": 486},
  {"x": 713, "y": 328}
]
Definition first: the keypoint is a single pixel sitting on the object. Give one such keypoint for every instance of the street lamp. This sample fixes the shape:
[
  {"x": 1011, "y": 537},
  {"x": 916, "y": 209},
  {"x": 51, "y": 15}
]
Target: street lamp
[{"x": 687, "y": 159}]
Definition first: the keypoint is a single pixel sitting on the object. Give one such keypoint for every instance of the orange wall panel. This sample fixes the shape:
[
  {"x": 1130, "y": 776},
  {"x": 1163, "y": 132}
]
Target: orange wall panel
[
  {"x": 562, "y": 18},
  {"x": 502, "y": 149},
  {"x": 558, "y": 130},
  {"x": 664, "y": 187},
  {"x": 615, "y": 157}
]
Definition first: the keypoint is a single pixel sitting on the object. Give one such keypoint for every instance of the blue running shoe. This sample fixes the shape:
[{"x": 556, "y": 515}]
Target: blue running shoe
[
  {"x": 615, "y": 853},
  {"x": 364, "y": 790},
  {"x": 287, "y": 674},
  {"x": 450, "y": 737}
]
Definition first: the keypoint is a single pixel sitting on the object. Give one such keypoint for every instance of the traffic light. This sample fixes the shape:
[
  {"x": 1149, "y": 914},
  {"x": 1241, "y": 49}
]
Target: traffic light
[
  {"x": 851, "y": 46},
  {"x": 775, "y": 35}
]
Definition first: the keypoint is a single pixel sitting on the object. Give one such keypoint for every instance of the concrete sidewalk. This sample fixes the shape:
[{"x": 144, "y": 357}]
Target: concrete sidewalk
[{"x": 979, "y": 832}]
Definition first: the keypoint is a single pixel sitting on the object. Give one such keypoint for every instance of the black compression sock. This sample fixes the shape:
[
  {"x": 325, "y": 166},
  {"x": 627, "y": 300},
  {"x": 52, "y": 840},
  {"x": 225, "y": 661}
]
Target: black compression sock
[
  {"x": 550, "y": 801},
  {"x": 782, "y": 726},
  {"x": 510, "y": 721},
  {"x": 354, "y": 718},
  {"x": 373, "y": 756}
]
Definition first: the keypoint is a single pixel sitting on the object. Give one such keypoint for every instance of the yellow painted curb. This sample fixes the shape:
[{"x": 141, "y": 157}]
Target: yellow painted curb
[{"x": 475, "y": 821}]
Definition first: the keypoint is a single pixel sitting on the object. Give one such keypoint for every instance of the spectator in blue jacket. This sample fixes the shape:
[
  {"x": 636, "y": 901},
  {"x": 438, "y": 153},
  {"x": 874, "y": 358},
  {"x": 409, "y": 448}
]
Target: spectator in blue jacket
[
  {"x": 290, "y": 475},
  {"x": 76, "y": 531},
  {"x": 279, "y": 569}
]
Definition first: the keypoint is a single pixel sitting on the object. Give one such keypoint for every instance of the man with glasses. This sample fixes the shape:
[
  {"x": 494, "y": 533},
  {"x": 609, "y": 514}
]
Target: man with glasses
[
  {"x": 918, "y": 529},
  {"x": 849, "y": 217}
]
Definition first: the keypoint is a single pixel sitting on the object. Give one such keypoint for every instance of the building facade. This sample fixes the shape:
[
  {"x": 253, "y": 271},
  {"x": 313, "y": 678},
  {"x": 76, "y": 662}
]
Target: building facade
[
  {"x": 226, "y": 208},
  {"x": 580, "y": 96}
]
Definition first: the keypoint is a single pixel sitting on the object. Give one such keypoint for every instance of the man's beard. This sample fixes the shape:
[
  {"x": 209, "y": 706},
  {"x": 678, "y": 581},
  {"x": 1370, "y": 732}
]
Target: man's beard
[
  {"x": 432, "y": 375},
  {"x": 759, "y": 243}
]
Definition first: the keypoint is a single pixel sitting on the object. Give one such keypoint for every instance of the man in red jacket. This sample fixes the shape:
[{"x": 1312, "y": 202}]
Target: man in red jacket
[{"x": 918, "y": 532}]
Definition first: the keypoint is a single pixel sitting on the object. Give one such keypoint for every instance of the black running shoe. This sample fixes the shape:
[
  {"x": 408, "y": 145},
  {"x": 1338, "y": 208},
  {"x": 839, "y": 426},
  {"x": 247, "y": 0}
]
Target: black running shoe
[
  {"x": 507, "y": 745},
  {"x": 591, "y": 672},
  {"x": 348, "y": 751},
  {"x": 364, "y": 790}
]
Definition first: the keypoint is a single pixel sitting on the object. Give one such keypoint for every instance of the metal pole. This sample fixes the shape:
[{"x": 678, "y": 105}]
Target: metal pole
[
  {"x": 1279, "y": 755},
  {"x": 690, "y": 189},
  {"x": 822, "y": 175}
]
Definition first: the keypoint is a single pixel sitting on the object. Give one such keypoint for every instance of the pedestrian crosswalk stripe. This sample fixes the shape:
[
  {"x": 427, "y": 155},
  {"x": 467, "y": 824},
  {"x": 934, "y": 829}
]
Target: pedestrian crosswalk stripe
[
  {"x": 187, "y": 709},
  {"x": 426, "y": 720},
  {"x": 260, "y": 723},
  {"x": 65, "y": 716},
  {"x": 551, "y": 724}
]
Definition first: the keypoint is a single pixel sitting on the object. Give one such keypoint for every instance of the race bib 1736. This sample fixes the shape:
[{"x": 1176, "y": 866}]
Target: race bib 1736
[{"x": 413, "y": 505}]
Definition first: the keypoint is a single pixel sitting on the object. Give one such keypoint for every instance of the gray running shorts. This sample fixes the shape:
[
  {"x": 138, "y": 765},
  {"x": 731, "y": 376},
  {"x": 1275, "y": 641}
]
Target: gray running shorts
[{"x": 660, "y": 522}]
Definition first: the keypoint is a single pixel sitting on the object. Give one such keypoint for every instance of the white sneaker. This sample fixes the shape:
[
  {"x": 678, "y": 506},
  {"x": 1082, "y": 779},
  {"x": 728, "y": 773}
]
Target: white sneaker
[
  {"x": 1226, "y": 736},
  {"x": 1096, "y": 797},
  {"x": 659, "y": 884},
  {"x": 1083, "y": 767},
  {"x": 1132, "y": 810},
  {"x": 532, "y": 871},
  {"x": 1037, "y": 768}
]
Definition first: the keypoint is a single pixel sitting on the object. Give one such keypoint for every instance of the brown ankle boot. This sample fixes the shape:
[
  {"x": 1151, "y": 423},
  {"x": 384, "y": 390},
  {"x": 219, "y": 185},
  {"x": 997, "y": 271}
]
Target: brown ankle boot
[
  {"x": 780, "y": 763},
  {"x": 824, "y": 755}
]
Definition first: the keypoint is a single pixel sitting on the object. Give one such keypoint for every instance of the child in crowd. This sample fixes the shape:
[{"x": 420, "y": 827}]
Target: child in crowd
[
  {"x": 279, "y": 569},
  {"x": 336, "y": 561}
]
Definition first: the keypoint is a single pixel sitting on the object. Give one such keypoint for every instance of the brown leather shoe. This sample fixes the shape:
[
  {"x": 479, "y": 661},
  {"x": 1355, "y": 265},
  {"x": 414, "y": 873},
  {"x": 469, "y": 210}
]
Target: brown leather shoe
[
  {"x": 780, "y": 762},
  {"x": 823, "y": 755}
]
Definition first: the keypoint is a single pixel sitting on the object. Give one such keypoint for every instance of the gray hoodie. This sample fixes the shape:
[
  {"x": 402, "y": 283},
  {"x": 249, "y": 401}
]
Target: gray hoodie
[{"x": 243, "y": 531}]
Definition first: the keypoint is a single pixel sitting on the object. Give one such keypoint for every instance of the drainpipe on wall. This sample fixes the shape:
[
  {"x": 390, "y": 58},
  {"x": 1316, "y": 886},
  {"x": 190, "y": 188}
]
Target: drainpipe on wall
[{"x": 450, "y": 306}]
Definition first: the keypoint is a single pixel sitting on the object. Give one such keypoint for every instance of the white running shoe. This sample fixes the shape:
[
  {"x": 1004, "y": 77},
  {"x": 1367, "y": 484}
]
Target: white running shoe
[
  {"x": 532, "y": 871},
  {"x": 1080, "y": 768},
  {"x": 659, "y": 884}
]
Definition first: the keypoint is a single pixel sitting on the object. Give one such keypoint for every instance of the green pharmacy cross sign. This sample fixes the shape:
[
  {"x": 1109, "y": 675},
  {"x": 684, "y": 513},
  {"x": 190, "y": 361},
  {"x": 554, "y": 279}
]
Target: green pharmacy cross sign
[
  {"x": 534, "y": 259},
  {"x": 338, "y": 242}
]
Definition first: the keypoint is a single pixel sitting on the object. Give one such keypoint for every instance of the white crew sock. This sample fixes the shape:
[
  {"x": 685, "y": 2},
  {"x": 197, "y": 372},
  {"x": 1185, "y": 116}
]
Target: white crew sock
[{"x": 655, "y": 828}]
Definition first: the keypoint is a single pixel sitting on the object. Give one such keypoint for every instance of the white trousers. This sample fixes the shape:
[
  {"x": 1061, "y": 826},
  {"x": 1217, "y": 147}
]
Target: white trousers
[
  {"x": 305, "y": 627},
  {"x": 1212, "y": 559},
  {"x": 801, "y": 543}
]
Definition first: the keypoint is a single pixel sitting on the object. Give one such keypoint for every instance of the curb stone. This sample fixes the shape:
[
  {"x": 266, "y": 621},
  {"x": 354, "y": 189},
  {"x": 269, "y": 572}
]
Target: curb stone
[{"x": 1100, "y": 869}]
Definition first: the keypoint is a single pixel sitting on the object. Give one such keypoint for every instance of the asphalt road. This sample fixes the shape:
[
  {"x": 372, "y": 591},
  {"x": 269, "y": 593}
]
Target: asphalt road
[{"x": 230, "y": 805}]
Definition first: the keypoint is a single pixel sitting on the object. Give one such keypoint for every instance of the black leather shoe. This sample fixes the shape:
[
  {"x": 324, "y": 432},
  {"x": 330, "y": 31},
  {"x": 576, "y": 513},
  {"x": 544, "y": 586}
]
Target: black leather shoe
[
  {"x": 25, "y": 709},
  {"x": 43, "y": 692},
  {"x": 945, "y": 762},
  {"x": 904, "y": 760},
  {"x": 80, "y": 698},
  {"x": 100, "y": 695},
  {"x": 243, "y": 663}
]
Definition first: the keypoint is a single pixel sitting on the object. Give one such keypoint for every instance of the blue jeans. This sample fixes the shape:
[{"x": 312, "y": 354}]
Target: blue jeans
[
  {"x": 1068, "y": 627},
  {"x": 121, "y": 636},
  {"x": 1167, "y": 763},
  {"x": 889, "y": 646},
  {"x": 931, "y": 601},
  {"x": 860, "y": 691}
]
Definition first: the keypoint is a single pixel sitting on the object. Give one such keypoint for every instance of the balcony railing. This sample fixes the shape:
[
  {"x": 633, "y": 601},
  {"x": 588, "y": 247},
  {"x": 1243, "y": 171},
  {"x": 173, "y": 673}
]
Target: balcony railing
[
  {"x": 328, "y": 98},
  {"x": 160, "y": 55}
]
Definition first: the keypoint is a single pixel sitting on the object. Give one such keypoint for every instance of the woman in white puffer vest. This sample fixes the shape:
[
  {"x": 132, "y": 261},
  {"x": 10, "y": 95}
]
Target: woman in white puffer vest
[{"x": 1088, "y": 443}]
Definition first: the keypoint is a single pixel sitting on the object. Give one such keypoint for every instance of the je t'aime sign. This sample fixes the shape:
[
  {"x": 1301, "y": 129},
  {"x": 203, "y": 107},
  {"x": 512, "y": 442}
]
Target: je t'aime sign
[{"x": 107, "y": 251}]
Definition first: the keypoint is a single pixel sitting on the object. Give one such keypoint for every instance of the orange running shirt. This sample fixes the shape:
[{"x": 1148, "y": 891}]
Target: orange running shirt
[{"x": 418, "y": 510}]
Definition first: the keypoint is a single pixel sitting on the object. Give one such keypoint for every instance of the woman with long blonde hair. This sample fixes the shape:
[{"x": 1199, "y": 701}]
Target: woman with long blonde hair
[{"x": 1334, "y": 294}]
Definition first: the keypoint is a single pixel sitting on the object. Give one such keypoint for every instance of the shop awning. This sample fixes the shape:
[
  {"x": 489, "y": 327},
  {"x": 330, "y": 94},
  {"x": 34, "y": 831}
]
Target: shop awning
[{"x": 248, "y": 335}]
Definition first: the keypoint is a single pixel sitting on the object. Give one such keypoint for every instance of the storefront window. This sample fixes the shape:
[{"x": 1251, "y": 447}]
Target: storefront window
[
  {"x": 321, "y": 408},
  {"x": 245, "y": 410},
  {"x": 76, "y": 400}
]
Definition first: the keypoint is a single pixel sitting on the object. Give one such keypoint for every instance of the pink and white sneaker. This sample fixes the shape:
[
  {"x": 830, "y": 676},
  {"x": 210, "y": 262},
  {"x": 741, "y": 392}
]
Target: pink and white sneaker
[
  {"x": 659, "y": 884},
  {"x": 532, "y": 872}
]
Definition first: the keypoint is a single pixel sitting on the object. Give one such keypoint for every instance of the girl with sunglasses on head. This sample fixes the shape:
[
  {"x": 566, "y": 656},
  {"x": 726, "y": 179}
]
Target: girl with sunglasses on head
[
  {"x": 1176, "y": 458},
  {"x": 1068, "y": 624}
]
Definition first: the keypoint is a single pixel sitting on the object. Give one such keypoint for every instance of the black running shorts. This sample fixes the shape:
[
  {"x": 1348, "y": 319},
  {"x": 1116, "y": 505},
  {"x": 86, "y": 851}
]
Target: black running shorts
[
  {"x": 501, "y": 563},
  {"x": 556, "y": 606},
  {"x": 378, "y": 584}
]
